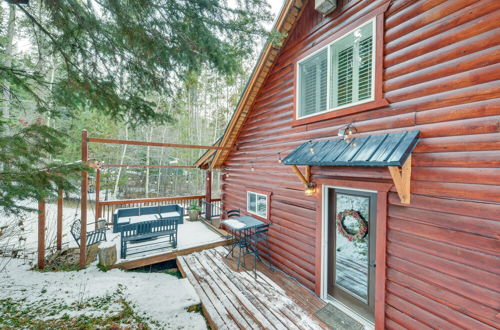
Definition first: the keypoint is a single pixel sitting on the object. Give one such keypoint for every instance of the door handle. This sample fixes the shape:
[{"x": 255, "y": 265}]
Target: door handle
[{"x": 373, "y": 265}]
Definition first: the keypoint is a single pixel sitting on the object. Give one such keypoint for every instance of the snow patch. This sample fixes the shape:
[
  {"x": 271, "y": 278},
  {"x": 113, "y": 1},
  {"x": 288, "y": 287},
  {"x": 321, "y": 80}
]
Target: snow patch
[{"x": 164, "y": 298}]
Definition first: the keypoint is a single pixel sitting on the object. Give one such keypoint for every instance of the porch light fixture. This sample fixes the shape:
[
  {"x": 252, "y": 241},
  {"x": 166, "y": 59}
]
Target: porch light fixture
[
  {"x": 346, "y": 132},
  {"x": 311, "y": 149},
  {"x": 279, "y": 157},
  {"x": 253, "y": 168},
  {"x": 310, "y": 189}
]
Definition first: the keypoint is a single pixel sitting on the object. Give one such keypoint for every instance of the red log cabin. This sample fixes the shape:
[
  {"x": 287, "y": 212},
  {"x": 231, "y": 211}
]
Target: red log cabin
[{"x": 370, "y": 139}]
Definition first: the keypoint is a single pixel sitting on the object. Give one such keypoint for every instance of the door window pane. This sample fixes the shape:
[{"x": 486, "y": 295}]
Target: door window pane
[{"x": 352, "y": 255}]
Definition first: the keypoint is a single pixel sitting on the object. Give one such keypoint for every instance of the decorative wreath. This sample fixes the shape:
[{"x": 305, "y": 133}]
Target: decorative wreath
[{"x": 352, "y": 236}]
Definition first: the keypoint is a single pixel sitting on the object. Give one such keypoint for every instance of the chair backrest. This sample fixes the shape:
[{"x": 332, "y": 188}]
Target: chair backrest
[
  {"x": 233, "y": 213},
  {"x": 76, "y": 228},
  {"x": 262, "y": 230}
]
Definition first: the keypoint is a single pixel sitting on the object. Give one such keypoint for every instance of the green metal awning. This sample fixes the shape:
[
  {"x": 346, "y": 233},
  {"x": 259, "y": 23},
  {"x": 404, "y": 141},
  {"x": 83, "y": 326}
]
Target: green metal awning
[{"x": 375, "y": 150}]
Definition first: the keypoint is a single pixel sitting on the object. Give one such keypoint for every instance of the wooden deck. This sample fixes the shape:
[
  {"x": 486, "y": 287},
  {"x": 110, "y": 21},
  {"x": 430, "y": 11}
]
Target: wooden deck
[
  {"x": 236, "y": 300},
  {"x": 154, "y": 259},
  {"x": 156, "y": 251}
]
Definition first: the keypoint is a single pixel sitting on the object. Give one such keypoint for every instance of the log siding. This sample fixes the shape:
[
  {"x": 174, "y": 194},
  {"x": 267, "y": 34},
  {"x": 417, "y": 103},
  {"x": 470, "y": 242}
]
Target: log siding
[{"x": 441, "y": 76}]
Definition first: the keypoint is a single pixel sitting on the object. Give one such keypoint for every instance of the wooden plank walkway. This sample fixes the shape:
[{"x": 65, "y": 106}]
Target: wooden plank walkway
[{"x": 236, "y": 300}]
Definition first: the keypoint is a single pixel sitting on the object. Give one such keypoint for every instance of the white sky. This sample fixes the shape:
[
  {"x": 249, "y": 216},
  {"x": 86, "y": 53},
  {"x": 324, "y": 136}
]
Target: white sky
[{"x": 275, "y": 6}]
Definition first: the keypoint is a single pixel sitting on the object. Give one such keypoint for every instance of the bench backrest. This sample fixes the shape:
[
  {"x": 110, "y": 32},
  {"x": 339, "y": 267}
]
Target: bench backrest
[
  {"x": 136, "y": 211},
  {"x": 154, "y": 226},
  {"x": 144, "y": 210}
]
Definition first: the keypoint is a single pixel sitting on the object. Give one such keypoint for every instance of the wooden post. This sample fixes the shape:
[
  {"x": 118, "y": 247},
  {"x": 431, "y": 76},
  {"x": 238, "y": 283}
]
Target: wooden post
[
  {"x": 41, "y": 234},
  {"x": 97, "y": 192},
  {"x": 299, "y": 175},
  {"x": 83, "y": 202},
  {"x": 208, "y": 195},
  {"x": 402, "y": 180},
  {"x": 59, "y": 219},
  {"x": 308, "y": 173}
]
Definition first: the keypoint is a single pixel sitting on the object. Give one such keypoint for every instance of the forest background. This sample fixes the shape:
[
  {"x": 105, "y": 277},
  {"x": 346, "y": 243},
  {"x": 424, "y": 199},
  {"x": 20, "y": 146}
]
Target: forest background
[{"x": 51, "y": 74}]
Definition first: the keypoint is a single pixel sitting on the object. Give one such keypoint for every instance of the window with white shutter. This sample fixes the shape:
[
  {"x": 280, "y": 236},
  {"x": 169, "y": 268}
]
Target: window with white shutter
[
  {"x": 312, "y": 84},
  {"x": 339, "y": 75}
]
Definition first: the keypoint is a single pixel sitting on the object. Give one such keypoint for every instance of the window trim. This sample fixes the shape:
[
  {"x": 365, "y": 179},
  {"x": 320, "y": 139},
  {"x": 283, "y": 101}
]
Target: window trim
[
  {"x": 376, "y": 101},
  {"x": 258, "y": 193}
]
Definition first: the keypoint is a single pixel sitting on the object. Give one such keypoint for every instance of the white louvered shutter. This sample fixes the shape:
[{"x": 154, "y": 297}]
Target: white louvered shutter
[
  {"x": 365, "y": 69},
  {"x": 344, "y": 76},
  {"x": 313, "y": 84},
  {"x": 351, "y": 67}
]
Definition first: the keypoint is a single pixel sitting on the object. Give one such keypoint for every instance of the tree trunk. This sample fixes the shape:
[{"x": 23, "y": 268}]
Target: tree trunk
[
  {"x": 161, "y": 163},
  {"x": 149, "y": 138}
]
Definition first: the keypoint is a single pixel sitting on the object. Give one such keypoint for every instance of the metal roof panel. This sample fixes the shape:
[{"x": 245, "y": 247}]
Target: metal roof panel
[{"x": 374, "y": 150}]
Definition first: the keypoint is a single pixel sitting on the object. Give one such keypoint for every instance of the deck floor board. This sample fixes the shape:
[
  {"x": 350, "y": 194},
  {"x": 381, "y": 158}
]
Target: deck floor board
[
  {"x": 213, "y": 315},
  {"x": 250, "y": 309},
  {"x": 238, "y": 300}
]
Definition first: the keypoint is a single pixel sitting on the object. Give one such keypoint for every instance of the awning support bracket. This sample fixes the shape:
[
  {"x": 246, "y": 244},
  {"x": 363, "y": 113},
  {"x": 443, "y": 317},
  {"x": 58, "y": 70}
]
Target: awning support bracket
[
  {"x": 402, "y": 178},
  {"x": 306, "y": 180}
]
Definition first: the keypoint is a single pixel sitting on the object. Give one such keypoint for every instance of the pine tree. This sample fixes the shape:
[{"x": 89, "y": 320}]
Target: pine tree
[{"x": 106, "y": 56}]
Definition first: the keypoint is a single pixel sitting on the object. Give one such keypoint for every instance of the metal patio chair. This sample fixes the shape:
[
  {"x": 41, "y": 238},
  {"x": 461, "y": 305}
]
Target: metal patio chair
[
  {"x": 252, "y": 246},
  {"x": 233, "y": 213},
  {"x": 93, "y": 236}
]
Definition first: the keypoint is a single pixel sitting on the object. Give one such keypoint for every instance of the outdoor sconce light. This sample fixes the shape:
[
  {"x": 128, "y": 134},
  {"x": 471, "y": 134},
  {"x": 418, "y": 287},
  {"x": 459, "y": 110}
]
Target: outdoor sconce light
[
  {"x": 310, "y": 190},
  {"x": 347, "y": 131},
  {"x": 311, "y": 149},
  {"x": 253, "y": 168},
  {"x": 279, "y": 157}
]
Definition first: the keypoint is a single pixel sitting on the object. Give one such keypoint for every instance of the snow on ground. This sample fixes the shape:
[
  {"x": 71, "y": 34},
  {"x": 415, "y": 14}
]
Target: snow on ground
[
  {"x": 156, "y": 296},
  {"x": 29, "y": 235}
]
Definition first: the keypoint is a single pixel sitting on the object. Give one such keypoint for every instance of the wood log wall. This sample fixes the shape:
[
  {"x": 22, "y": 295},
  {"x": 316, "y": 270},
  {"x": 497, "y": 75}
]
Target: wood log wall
[{"x": 441, "y": 76}]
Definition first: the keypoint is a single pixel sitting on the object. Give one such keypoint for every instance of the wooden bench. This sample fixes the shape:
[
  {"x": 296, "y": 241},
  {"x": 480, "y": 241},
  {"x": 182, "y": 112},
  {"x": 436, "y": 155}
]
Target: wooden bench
[
  {"x": 148, "y": 230},
  {"x": 93, "y": 237}
]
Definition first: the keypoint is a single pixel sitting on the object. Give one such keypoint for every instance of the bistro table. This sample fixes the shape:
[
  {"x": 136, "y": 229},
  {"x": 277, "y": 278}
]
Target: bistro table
[{"x": 242, "y": 228}]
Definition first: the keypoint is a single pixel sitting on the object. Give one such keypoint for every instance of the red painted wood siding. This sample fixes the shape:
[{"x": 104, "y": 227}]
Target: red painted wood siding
[{"x": 441, "y": 76}]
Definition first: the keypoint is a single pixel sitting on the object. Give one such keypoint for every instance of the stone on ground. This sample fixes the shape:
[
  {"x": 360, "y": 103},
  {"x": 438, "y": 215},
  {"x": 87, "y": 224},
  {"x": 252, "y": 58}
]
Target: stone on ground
[{"x": 107, "y": 256}]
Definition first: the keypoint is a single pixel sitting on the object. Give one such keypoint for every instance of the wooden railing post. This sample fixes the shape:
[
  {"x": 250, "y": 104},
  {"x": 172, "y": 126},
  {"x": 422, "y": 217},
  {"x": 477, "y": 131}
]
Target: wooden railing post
[
  {"x": 208, "y": 195},
  {"x": 41, "y": 234},
  {"x": 83, "y": 202},
  {"x": 97, "y": 192},
  {"x": 59, "y": 219}
]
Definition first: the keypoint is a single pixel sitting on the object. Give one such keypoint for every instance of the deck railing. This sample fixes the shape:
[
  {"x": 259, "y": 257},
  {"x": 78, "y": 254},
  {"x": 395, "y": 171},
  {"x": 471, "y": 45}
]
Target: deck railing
[
  {"x": 211, "y": 210},
  {"x": 109, "y": 207}
]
